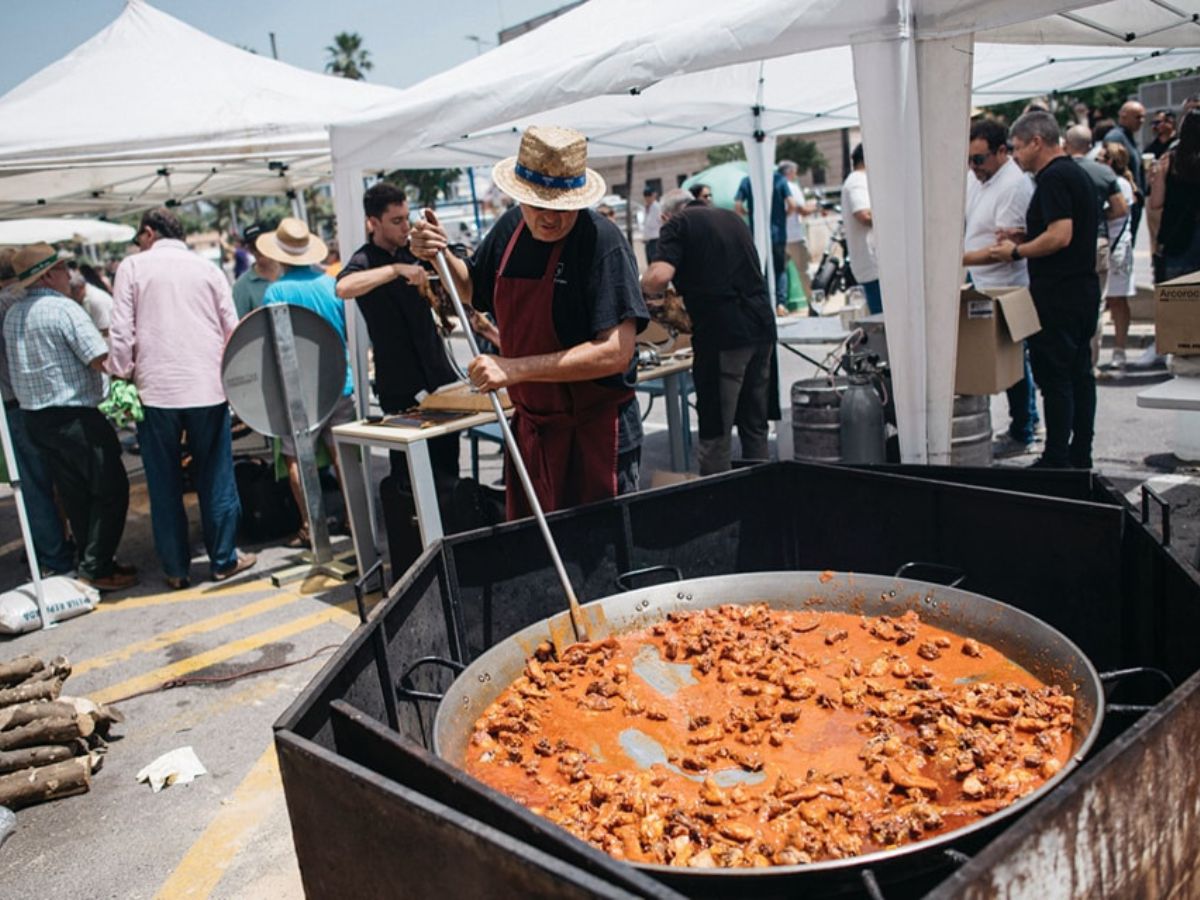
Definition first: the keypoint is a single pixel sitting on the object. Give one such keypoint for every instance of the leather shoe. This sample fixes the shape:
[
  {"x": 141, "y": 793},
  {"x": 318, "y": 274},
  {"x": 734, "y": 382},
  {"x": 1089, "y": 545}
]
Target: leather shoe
[
  {"x": 177, "y": 583},
  {"x": 244, "y": 562},
  {"x": 114, "y": 581}
]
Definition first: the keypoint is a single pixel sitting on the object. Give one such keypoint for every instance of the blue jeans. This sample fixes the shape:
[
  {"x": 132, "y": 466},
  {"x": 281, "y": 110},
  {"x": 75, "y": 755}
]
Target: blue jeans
[
  {"x": 160, "y": 435},
  {"x": 874, "y": 297},
  {"x": 1022, "y": 406},
  {"x": 54, "y": 552}
]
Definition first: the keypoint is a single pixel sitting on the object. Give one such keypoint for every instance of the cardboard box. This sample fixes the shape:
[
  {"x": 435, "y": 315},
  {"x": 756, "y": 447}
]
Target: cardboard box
[
  {"x": 1177, "y": 315},
  {"x": 991, "y": 326}
]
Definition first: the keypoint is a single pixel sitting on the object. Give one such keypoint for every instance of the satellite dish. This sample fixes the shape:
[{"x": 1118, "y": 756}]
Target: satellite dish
[{"x": 253, "y": 381}]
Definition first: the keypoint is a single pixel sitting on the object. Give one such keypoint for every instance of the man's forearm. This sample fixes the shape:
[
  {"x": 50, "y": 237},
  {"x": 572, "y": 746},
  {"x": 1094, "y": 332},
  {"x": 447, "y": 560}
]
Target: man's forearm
[
  {"x": 1056, "y": 236},
  {"x": 358, "y": 283},
  {"x": 461, "y": 275},
  {"x": 656, "y": 278}
]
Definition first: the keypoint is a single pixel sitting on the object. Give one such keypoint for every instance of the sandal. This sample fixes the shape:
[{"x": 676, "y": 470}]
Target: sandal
[{"x": 300, "y": 539}]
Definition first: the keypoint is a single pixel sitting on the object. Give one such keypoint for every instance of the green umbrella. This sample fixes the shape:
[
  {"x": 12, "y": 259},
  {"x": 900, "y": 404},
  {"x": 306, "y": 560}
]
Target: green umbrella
[{"x": 723, "y": 180}]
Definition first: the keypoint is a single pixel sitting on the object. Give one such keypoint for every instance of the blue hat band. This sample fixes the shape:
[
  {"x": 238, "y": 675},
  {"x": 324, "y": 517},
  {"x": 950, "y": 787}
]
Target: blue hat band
[{"x": 549, "y": 181}]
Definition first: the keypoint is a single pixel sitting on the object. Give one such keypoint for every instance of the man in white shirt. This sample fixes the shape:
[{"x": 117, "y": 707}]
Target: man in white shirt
[
  {"x": 860, "y": 230},
  {"x": 998, "y": 195},
  {"x": 652, "y": 223},
  {"x": 797, "y": 230}
]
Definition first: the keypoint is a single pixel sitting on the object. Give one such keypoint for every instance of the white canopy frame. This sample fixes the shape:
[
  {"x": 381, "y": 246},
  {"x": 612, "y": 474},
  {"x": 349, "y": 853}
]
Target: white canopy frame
[{"x": 596, "y": 66}]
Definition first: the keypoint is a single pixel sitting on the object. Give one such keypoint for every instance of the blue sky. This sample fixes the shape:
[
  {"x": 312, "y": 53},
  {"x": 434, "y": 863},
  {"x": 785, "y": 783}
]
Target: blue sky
[{"x": 408, "y": 41}]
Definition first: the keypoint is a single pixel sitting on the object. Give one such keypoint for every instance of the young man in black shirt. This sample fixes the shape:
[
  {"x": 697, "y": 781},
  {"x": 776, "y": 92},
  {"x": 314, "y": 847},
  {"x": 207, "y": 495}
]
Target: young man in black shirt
[
  {"x": 386, "y": 279},
  {"x": 1060, "y": 244},
  {"x": 709, "y": 254},
  {"x": 562, "y": 283}
]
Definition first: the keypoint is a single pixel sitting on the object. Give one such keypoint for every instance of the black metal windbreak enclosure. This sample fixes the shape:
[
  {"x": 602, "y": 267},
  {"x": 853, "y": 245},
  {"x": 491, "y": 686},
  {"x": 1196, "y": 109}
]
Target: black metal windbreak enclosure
[{"x": 374, "y": 813}]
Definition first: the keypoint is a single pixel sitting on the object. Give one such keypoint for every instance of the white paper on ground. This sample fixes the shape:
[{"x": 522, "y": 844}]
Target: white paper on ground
[{"x": 180, "y": 766}]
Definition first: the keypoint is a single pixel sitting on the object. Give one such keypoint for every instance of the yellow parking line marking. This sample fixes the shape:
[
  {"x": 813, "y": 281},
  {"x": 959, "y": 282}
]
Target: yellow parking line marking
[
  {"x": 201, "y": 868},
  {"x": 208, "y": 592},
  {"x": 212, "y": 623},
  {"x": 341, "y": 614}
]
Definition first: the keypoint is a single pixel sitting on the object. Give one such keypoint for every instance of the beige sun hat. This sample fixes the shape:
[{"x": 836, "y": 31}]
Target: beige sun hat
[
  {"x": 550, "y": 170},
  {"x": 292, "y": 244},
  {"x": 33, "y": 261}
]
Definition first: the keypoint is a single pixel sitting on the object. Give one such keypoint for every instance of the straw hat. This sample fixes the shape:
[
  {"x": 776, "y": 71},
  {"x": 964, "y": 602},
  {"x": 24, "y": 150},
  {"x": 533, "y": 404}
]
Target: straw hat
[
  {"x": 550, "y": 170},
  {"x": 32, "y": 262},
  {"x": 292, "y": 244}
]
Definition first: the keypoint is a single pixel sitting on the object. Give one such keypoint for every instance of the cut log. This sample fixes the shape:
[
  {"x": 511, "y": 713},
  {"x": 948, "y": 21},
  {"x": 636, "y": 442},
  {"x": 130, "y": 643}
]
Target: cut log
[
  {"x": 64, "y": 779},
  {"x": 54, "y": 730},
  {"x": 103, "y": 716},
  {"x": 19, "y": 669},
  {"x": 59, "y": 667},
  {"x": 29, "y": 757},
  {"x": 24, "y": 713},
  {"x": 36, "y": 690}
]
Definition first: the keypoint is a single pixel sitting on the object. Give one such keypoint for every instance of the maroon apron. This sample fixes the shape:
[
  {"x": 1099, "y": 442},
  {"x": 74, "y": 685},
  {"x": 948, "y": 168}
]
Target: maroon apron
[{"x": 567, "y": 432}]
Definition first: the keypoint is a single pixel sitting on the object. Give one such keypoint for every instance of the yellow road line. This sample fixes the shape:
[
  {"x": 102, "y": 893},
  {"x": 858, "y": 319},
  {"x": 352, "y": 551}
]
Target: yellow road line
[
  {"x": 212, "y": 623},
  {"x": 208, "y": 592},
  {"x": 341, "y": 614},
  {"x": 201, "y": 868}
]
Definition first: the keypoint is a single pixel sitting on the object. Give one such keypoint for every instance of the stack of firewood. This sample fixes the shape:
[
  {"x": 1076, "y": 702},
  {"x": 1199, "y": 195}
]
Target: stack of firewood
[{"x": 49, "y": 744}]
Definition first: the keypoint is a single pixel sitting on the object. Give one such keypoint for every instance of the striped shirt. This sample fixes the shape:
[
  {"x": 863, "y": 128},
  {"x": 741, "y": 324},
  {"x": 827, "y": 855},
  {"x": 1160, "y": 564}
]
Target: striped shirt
[{"x": 50, "y": 342}]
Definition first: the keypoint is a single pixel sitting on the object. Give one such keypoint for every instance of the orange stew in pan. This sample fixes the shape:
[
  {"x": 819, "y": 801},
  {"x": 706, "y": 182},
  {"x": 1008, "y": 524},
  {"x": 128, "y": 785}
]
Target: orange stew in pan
[{"x": 746, "y": 736}]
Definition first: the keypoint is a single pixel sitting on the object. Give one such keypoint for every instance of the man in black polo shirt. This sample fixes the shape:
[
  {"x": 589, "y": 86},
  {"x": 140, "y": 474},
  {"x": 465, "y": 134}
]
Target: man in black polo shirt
[
  {"x": 562, "y": 283},
  {"x": 1060, "y": 244},
  {"x": 709, "y": 254},
  {"x": 385, "y": 278}
]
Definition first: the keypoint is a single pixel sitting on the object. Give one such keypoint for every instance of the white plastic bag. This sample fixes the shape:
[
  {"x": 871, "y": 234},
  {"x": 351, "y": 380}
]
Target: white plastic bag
[{"x": 65, "y": 598}]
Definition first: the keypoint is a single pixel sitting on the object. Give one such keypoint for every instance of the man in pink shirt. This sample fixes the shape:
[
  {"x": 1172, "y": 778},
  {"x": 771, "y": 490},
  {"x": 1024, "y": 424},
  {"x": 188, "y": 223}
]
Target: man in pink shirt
[{"x": 172, "y": 313}]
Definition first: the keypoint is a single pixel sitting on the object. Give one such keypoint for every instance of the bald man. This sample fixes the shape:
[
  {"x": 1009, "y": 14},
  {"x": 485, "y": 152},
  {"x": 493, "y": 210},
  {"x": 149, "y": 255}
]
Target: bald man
[{"x": 1128, "y": 127}]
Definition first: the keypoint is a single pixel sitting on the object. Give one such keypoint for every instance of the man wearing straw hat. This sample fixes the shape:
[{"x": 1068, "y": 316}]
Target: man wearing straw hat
[
  {"x": 302, "y": 283},
  {"x": 56, "y": 357},
  {"x": 563, "y": 286}
]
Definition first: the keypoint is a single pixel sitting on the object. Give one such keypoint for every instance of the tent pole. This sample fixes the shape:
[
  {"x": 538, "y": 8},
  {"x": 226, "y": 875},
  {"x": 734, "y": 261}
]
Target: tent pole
[
  {"x": 475, "y": 203},
  {"x": 629, "y": 199},
  {"x": 26, "y": 533}
]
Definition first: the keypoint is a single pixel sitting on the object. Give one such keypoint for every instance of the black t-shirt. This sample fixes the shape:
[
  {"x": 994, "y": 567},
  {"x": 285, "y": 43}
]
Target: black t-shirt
[
  {"x": 409, "y": 355},
  {"x": 718, "y": 275},
  {"x": 1064, "y": 191},
  {"x": 596, "y": 288},
  {"x": 1104, "y": 181}
]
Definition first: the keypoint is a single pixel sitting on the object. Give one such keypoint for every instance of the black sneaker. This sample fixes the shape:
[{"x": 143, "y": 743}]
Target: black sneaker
[{"x": 1007, "y": 446}]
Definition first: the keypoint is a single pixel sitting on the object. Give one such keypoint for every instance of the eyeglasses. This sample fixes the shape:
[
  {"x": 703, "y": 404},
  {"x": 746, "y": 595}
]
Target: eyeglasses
[{"x": 978, "y": 159}]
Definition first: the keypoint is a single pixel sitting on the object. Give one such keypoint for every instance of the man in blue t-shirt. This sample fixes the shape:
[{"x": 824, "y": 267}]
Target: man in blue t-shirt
[
  {"x": 302, "y": 283},
  {"x": 782, "y": 206}
]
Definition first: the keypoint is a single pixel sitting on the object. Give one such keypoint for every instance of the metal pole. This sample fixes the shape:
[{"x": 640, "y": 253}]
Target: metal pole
[
  {"x": 475, "y": 203},
  {"x": 15, "y": 482},
  {"x": 274, "y": 49},
  {"x": 577, "y": 620},
  {"x": 629, "y": 199}
]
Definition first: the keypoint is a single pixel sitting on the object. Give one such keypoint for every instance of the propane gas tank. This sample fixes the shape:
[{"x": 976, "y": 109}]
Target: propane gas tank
[{"x": 861, "y": 421}]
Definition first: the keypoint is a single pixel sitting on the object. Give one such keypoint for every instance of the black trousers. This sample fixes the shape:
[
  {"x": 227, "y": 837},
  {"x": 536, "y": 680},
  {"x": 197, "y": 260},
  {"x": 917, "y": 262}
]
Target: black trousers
[
  {"x": 1061, "y": 356},
  {"x": 83, "y": 455}
]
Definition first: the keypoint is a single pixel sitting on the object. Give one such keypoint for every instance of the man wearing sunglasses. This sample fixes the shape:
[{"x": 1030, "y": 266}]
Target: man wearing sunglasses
[{"x": 998, "y": 195}]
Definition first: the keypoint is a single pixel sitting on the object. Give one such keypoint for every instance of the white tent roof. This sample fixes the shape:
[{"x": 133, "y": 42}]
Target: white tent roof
[
  {"x": 637, "y": 80},
  {"x": 52, "y": 231},
  {"x": 151, "y": 109}
]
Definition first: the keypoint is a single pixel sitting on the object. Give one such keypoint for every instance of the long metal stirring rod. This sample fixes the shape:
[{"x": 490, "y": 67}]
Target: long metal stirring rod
[{"x": 510, "y": 441}]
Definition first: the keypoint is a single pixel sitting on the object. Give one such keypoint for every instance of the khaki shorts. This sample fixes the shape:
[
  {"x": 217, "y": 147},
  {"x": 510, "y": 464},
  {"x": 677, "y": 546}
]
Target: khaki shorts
[{"x": 343, "y": 413}]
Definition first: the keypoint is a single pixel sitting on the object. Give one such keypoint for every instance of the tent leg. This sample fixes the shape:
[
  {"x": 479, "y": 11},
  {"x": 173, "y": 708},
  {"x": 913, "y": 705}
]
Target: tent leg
[{"x": 26, "y": 533}]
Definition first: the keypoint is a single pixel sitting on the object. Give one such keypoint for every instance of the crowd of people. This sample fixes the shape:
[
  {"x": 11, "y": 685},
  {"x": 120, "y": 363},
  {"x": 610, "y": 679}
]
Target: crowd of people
[
  {"x": 556, "y": 291},
  {"x": 1068, "y": 233}
]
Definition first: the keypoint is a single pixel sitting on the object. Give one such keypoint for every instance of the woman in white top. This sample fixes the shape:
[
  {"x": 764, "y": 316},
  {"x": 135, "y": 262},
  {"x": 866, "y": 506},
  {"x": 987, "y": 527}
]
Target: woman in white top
[{"x": 1120, "y": 253}]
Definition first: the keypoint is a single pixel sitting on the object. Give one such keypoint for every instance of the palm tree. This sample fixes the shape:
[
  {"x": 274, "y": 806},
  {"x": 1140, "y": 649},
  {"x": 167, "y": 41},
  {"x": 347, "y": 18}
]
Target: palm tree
[{"x": 347, "y": 56}]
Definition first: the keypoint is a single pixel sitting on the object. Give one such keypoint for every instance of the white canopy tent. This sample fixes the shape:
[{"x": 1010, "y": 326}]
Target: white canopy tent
[
  {"x": 639, "y": 78},
  {"x": 152, "y": 111},
  {"x": 52, "y": 231}
]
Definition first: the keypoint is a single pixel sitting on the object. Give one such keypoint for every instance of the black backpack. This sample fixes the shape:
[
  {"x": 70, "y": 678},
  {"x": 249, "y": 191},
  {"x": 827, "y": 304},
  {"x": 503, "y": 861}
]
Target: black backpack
[{"x": 268, "y": 509}]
